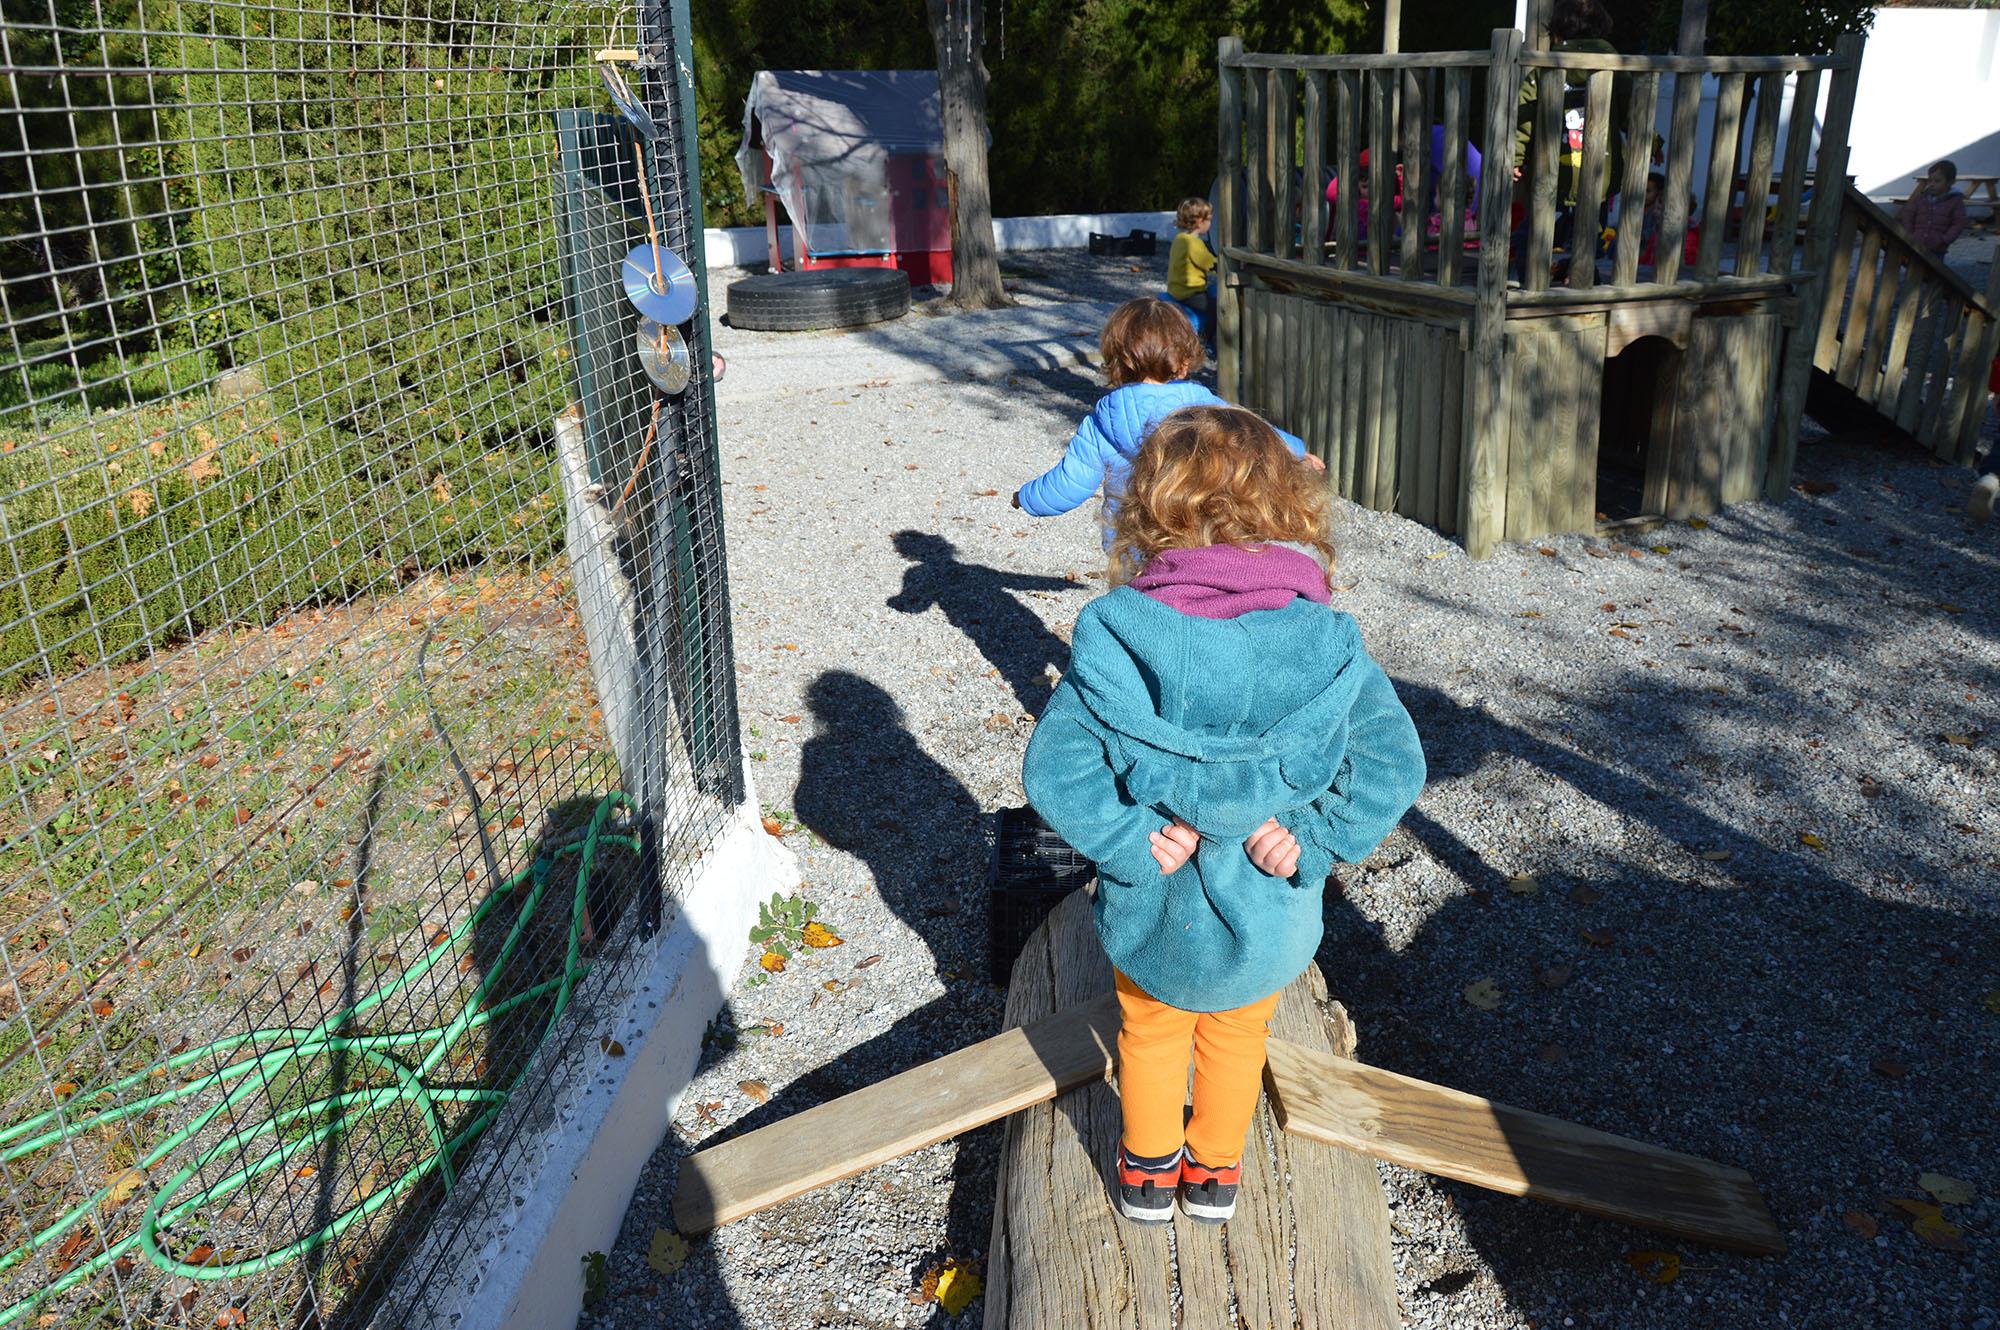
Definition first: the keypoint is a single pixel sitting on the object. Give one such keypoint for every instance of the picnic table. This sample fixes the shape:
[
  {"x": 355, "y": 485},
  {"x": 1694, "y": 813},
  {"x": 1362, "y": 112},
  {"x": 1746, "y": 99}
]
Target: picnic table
[{"x": 1973, "y": 185}]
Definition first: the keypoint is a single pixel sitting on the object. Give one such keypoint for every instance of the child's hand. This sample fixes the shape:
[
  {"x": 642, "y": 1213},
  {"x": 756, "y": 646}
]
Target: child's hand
[
  {"x": 1313, "y": 460},
  {"x": 1273, "y": 849},
  {"x": 1173, "y": 845},
  {"x": 1016, "y": 500}
]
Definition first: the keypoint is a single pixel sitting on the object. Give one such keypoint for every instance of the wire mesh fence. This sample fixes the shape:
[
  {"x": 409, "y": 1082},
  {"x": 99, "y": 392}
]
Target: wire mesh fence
[{"x": 365, "y": 682}]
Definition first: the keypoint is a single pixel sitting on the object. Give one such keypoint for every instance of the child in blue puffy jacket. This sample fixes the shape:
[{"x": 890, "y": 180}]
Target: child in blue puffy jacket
[{"x": 1149, "y": 350}]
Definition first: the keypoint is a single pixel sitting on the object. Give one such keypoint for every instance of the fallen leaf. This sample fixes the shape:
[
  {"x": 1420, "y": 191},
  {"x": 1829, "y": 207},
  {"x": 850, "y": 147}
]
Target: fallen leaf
[
  {"x": 1523, "y": 884},
  {"x": 1598, "y": 937},
  {"x": 140, "y": 502},
  {"x": 773, "y": 827},
  {"x": 817, "y": 934},
  {"x": 1950, "y": 608},
  {"x": 1929, "y": 1224},
  {"x": 867, "y": 961},
  {"x": 611, "y": 1047},
  {"x": 1585, "y": 894},
  {"x": 1959, "y": 740},
  {"x": 1946, "y": 1190},
  {"x": 756, "y": 1091},
  {"x": 203, "y": 468},
  {"x": 1991, "y": 1000},
  {"x": 1717, "y": 856},
  {"x": 1811, "y": 841},
  {"x": 788, "y": 720},
  {"x": 201, "y": 1254},
  {"x": 1661, "y": 549},
  {"x": 1888, "y": 1067},
  {"x": 1864, "y": 1224},
  {"x": 101, "y": 1008},
  {"x": 1661, "y": 1267},
  {"x": 956, "y": 1287},
  {"x": 1698, "y": 523},
  {"x": 125, "y": 1184},
  {"x": 1548, "y": 551},
  {"x": 772, "y": 962},
  {"x": 64, "y": 1089},
  {"x": 668, "y": 1252},
  {"x": 229, "y": 1316},
  {"x": 1816, "y": 487},
  {"x": 1554, "y": 976},
  {"x": 1485, "y": 994}
]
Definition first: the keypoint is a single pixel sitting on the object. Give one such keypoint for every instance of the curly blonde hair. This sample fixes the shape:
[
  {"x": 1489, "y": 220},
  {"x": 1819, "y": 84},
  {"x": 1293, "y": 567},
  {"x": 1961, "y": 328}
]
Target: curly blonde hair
[
  {"x": 1192, "y": 215},
  {"x": 1217, "y": 475}
]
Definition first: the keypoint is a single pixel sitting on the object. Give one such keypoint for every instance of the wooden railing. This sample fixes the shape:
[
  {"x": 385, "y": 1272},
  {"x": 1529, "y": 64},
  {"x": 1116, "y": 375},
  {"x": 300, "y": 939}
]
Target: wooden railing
[{"x": 1905, "y": 334}]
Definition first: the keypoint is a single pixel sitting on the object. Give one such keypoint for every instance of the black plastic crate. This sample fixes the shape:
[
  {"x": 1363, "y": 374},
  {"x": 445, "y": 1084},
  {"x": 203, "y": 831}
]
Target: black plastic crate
[
  {"x": 1029, "y": 869},
  {"x": 1140, "y": 244},
  {"x": 1102, "y": 242}
]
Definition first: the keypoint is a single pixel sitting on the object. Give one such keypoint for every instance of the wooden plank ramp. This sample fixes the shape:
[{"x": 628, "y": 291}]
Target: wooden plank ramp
[{"x": 1309, "y": 1246}]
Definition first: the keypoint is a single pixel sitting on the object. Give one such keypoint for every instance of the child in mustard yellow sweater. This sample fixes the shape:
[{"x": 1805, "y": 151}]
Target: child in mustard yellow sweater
[{"x": 1191, "y": 267}]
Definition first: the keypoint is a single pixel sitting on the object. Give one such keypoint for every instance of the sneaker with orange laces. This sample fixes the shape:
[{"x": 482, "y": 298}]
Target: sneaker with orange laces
[
  {"x": 1208, "y": 1195},
  {"x": 1146, "y": 1186}
]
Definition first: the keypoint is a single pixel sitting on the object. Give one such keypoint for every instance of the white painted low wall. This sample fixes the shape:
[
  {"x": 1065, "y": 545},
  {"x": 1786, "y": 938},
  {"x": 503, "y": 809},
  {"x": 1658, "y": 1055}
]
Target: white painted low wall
[
  {"x": 748, "y": 246},
  {"x": 1930, "y": 88}
]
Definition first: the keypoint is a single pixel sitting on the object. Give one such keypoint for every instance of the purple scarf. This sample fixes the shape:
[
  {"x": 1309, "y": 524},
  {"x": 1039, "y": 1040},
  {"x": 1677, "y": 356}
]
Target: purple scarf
[{"x": 1223, "y": 581}]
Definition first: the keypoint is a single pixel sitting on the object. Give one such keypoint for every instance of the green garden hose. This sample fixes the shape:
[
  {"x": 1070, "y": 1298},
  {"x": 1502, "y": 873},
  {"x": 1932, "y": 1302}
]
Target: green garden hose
[{"x": 411, "y": 1086}]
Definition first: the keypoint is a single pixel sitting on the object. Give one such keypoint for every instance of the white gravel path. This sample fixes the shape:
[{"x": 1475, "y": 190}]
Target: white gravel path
[{"x": 1650, "y": 730}]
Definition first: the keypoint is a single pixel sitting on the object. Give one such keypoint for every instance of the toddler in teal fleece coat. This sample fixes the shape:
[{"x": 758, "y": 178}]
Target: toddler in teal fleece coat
[
  {"x": 1220, "y": 740},
  {"x": 1149, "y": 349}
]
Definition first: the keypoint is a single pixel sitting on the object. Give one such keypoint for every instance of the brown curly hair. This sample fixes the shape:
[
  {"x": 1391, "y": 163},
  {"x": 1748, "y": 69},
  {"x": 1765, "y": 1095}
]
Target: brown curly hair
[
  {"x": 1149, "y": 338},
  {"x": 1192, "y": 215},
  {"x": 1217, "y": 475}
]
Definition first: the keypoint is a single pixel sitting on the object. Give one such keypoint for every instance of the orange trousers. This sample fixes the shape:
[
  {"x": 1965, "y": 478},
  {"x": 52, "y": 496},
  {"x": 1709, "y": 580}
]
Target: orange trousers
[{"x": 1153, "y": 1044}]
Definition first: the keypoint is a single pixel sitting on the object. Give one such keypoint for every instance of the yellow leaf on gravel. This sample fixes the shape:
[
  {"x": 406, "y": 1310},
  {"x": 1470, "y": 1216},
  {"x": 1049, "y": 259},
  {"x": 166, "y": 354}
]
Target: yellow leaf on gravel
[
  {"x": 1662, "y": 1267},
  {"x": 1991, "y": 1001},
  {"x": 756, "y": 1091},
  {"x": 125, "y": 1184},
  {"x": 1956, "y": 740},
  {"x": 1810, "y": 841},
  {"x": 1946, "y": 1190},
  {"x": 772, "y": 961},
  {"x": 817, "y": 934},
  {"x": 669, "y": 1251},
  {"x": 1484, "y": 995},
  {"x": 1523, "y": 884},
  {"x": 956, "y": 1288}
]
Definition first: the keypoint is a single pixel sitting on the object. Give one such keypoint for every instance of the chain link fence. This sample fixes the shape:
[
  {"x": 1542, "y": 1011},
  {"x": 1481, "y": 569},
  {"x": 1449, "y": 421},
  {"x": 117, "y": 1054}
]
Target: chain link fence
[{"x": 365, "y": 682}]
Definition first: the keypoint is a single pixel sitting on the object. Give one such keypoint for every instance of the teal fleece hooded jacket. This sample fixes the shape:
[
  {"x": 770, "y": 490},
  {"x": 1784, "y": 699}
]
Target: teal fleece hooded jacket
[{"x": 1223, "y": 723}]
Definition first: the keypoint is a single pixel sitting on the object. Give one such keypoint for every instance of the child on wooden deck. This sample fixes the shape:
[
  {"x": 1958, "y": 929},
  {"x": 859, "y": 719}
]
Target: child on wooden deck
[
  {"x": 1149, "y": 350},
  {"x": 1220, "y": 740},
  {"x": 1935, "y": 215}
]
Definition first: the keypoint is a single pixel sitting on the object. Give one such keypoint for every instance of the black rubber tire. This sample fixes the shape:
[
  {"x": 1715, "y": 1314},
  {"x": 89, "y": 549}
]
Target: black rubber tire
[{"x": 821, "y": 298}]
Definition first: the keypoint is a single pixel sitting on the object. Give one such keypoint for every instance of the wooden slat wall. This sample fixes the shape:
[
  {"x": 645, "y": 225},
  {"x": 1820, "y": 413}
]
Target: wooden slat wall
[
  {"x": 1377, "y": 398},
  {"x": 1553, "y": 400},
  {"x": 1722, "y": 413}
]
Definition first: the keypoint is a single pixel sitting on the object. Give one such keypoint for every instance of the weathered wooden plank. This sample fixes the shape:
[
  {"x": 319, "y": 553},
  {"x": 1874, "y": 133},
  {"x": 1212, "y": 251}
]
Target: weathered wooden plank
[
  {"x": 1828, "y": 194},
  {"x": 1346, "y": 147},
  {"x": 1944, "y": 357},
  {"x": 1897, "y": 272},
  {"x": 1356, "y": 404},
  {"x": 1451, "y": 181},
  {"x": 1896, "y": 372},
  {"x": 1391, "y": 408},
  {"x": 1293, "y": 368},
  {"x": 1592, "y": 339},
  {"x": 1943, "y": 439},
  {"x": 1841, "y": 266},
  {"x": 1542, "y": 157},
  {"x": 1680, "y": 174},
  {"x": 1419, "y": 397},
  {"x": 926, "y": 1104},
  {"x": 1229, "y": 231},
  {"x": 1331, "y": 341},
  {"x": 1697, "y": 421},
  {"x": 1415, "y": 152},
  {"x": 1351, "y": 63},
  {"x": 1279, "y": 136},
  {"x": 1591, "y": 179},
  {"x": 1760, "y": 410},
  {"x": 1257, "y": 160},
  {"x": 1663, "y": 436},
  {"x": 1988, "y": 344},
  {"x": 1639, "y": 120},
  {"x": 1854, "y": 328},
  {"x": 1451, "y": 435},
  {"x": 1381, "y": 152},
  {"x": 1312, "y": 205},
  {"x": 1482, "y": 471},
  {"x": 1679, "y": 64},
  {"x": 1564, "y": 376},
  {"x": 1420, "y": 499},
  {"x": 1452, "y": 1134},
  {"x": 1916, "y": 357},
  {"x": 1524, "y": 430},
  {"x": 1724, "y": 144},
  {"x": 1757, "y": 181},
  {"x": 1792, "y": 181}
]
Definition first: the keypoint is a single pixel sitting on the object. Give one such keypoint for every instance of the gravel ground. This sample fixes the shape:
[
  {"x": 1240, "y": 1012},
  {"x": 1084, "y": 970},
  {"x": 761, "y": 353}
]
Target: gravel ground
[{"x": 1749, "y": 765}]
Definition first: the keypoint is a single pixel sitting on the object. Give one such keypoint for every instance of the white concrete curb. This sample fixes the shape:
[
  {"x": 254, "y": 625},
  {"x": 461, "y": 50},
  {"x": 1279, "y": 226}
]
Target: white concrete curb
[{"x": 748, "y": 246}]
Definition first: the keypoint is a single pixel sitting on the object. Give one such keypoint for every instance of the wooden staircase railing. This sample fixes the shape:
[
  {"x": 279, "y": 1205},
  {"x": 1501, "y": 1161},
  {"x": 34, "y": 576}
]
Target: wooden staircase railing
[{"x": 1905, "y": 335}]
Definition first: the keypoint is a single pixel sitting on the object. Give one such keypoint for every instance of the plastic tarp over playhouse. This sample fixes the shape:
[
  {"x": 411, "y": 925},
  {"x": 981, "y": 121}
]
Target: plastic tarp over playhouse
[{"x": 856, "y": 158}]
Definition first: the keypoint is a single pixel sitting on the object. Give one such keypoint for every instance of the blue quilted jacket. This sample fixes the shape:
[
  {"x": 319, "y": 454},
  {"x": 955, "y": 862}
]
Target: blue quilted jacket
[
  {"x": 1223, "y": 723},
  {"x": 1101, "y": 451}
]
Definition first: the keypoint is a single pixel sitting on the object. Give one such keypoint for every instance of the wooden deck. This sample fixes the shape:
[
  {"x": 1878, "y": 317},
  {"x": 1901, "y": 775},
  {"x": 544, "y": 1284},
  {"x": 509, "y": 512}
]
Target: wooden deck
[{"x": 1309, "y": 1246}]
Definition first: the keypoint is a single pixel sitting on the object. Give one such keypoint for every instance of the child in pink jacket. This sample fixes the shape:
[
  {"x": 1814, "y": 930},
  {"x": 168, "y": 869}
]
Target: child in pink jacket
[{"x": 1935, "y": 214}]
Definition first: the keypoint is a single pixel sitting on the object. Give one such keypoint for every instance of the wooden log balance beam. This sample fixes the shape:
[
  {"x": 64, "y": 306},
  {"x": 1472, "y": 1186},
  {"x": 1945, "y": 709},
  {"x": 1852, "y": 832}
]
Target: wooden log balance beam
[{"x": 1321, "y": 1243}]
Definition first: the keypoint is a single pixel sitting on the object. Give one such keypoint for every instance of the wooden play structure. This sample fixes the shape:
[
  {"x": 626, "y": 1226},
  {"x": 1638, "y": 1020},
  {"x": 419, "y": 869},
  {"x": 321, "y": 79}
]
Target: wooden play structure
[
  {"x": 1482, "y": 360},
  {"x": 1309, "y": 1245}
]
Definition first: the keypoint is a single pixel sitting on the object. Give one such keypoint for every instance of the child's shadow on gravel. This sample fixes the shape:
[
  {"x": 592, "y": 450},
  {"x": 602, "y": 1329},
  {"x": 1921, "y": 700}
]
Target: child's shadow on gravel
[
  {"x": 975, "y": 601},
  {"x": 1758, "y": 1012}
]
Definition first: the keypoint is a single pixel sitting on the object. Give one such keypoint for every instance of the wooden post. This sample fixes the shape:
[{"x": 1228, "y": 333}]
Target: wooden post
[
  {"x": 1451, "y": 181},
  {"x": 1415, "y": 143},
  {"x": 1535, "y": 33},
  {"x": 1590, "y": 180},
  {"x": 1346, "y": 169},
  {"x": 1279, "y": 110},
  {"x": 1724, "y": 143},
  {"x": 1312, "y": 207},
  {"x": 1989, "y": 345},
  {"x": 1680, "y": 174},
  {"x": 1229, "y": 218},
  {"x": 1693, "y": 38},
  {"x": 1829, "y": 193},
  {"x": 1543, "y": 170},
  {"x": 1792, "y": 187},
  {"x": 1639, "y": 120},
  {"x": 1757, "y": 184},
  {"x": 1483, "y": 468}
]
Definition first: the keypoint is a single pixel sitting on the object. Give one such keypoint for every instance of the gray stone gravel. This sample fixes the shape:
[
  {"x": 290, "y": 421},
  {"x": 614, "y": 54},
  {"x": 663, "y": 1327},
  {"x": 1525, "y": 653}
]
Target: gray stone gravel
[{"x": 1649, "y": 729}]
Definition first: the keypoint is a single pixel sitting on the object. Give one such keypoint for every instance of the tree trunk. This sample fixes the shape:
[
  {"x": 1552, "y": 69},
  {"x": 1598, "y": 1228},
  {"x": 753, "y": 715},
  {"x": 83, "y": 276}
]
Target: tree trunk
[{"x": 958, "y": 32}]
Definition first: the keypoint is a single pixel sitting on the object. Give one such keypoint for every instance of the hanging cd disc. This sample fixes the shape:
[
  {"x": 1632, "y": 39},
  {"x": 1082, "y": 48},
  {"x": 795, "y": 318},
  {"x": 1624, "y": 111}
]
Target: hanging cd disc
[
  {"x": 626, "y": 100},
  {"x": 670, "y": 302},
  {"x": 663, "y": 354}
]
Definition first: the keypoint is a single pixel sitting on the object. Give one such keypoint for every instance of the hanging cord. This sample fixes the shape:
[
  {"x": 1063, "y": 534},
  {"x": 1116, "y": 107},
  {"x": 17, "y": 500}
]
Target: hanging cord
[
  {"x": 639, "y": 465},
  {"x": 646, "y": 202}
]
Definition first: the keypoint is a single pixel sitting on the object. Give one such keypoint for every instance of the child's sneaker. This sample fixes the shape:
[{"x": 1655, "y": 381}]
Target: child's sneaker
[
  {"x": 1208, "y": 1195},
  {"x": 1980, "y": 506},
  {"x": 1146, "y": 1187}
]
